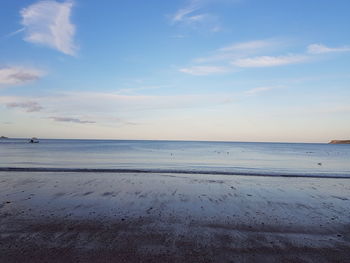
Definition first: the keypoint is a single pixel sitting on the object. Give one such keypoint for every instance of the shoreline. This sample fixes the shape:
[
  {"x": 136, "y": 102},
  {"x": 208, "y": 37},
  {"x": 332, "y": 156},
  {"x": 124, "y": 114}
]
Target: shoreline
[
  {"x": 167, "y": 140},
  {"x": 133, "y": 217},
  {"x": 169, "y": 171}
]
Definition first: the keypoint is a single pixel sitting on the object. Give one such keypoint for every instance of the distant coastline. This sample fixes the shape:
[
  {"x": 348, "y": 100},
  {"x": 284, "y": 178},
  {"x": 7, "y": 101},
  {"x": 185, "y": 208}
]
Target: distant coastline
[{"x": 340, "y": 142}]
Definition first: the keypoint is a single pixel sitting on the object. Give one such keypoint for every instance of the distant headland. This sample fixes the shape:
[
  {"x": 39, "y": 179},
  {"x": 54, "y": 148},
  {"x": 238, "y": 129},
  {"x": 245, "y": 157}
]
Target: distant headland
[
  {"x": 3, "y": 137},
  {"x": 340, "y": 142}
]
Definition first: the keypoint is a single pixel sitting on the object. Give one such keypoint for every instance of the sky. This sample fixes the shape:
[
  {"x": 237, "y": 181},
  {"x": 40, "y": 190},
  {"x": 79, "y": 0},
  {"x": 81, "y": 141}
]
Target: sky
[{"x": 218, "y": 70}]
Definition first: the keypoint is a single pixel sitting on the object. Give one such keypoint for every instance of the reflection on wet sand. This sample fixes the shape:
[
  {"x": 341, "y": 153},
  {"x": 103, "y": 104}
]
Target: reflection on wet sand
[{"x": 172, "y": 217}]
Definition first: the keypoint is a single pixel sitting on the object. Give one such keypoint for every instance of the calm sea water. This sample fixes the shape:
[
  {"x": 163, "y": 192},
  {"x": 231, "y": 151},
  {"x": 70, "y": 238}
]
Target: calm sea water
[{"x": 217, "y": 157}]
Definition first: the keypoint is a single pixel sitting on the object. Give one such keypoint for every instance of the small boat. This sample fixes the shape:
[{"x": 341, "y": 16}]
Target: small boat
[{"x": 34, "y": 140}]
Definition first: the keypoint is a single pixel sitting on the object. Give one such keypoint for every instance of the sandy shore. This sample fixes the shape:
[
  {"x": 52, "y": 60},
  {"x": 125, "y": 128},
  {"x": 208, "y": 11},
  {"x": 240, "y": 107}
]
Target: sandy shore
[{"x": 77, "y": 217}]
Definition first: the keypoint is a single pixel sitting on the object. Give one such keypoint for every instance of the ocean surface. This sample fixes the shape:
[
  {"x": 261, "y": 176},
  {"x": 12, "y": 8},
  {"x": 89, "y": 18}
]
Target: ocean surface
[{"x": 242, "y": 158}]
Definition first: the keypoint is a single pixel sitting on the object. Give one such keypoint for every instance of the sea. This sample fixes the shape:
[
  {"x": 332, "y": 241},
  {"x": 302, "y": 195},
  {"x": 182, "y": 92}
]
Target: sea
[{"x": 193, "y": 157}]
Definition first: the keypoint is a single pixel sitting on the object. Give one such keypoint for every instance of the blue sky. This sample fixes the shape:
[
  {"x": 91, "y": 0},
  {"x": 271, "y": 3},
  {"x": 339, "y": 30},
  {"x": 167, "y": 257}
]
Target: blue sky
[{"x": 233, "y": 70}]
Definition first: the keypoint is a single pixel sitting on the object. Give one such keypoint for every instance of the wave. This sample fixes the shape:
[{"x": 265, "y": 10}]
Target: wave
[{"x": 168, "y": 171}]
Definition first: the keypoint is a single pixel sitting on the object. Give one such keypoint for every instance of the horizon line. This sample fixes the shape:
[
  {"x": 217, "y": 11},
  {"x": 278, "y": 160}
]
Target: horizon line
[{"x": 165, "y": 140}]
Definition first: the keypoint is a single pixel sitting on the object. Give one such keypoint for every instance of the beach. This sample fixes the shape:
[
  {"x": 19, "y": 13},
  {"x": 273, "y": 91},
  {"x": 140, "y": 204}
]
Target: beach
[
  {"x": 193, "y": 131},
  {"x": 160, "y": 217}
]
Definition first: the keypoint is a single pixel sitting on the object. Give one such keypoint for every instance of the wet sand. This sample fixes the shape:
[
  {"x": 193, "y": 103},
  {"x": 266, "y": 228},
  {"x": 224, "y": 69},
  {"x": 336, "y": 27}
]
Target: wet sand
[{"x": 88, "y": 217}]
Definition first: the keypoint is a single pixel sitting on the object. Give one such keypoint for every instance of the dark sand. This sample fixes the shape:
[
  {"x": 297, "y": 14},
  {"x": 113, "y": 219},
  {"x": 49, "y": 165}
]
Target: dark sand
[{"x": 75, "y": 217}]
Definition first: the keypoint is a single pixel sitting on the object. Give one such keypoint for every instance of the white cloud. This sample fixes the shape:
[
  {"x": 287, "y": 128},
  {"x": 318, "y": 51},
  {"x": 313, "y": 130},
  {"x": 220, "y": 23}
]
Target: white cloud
[
  {"x": 204, "y": 70},
  {"x": 268, "y": 61},
  {"x": 48, "y": 23},
  {"x": 18, "y": 75},
  {"x": 319, "y": 49}
]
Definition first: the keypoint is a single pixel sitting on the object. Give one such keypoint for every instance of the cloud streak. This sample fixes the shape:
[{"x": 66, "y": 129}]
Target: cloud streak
[
  {"x": 18, "y": 75},
  {"x": 184, "y": 14},
  {"x": 268, "y": 61},
  {"x": 320, "y": 49},
  {"x": 14, "y": 33},
  {"x": 106, "y": 105},
  {"x": 256, "y": 91},
  {"x": 29, "y": 106},
  {"x": 246, "y": 55},
  {"x": 193, "y": 16},
  {"x": 238, "y": 50},
  {"x": 48, "y": 23},
  {"x": 204, "y": 70},
  {"x": 69, "y": 119},
  {"x": 250, "y": 45},
  {"x": 239, "y": 55}
]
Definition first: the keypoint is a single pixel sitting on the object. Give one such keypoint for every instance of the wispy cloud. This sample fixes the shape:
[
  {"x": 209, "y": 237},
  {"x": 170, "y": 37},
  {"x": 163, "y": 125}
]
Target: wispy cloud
[
  {"x": 29, "y": 106},
  {"x": 204, "y": 70},
  {"x": 69, "y": 119},
  {"x": 14, "y": 33},
  {"x": 238, "y": 50},
  {"x": 239, "y": 55},
  {"x": 320, "y": 49},
  {"x": 256, "y": 91},
  {"x": 193, "y": 16},
  {"x": 18, "y": 75},
  {"x": 247, "y": 55},
  {"x": 48, "y": 23},
  {"x": 269, "y": 61},
  {"x": 105, "y": 105},
  {"x": 178, "y": 36},
  {"x": 249, "y": 45},
  {"x": 128, "y": 91},
  {"x": 186, "y": 13},
  {"x": 114, "y": 103}
]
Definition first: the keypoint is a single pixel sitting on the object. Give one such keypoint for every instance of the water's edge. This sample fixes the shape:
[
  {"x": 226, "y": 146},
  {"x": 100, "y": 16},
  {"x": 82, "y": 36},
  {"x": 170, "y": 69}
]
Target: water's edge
[{"x": 168, "y": 171}]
